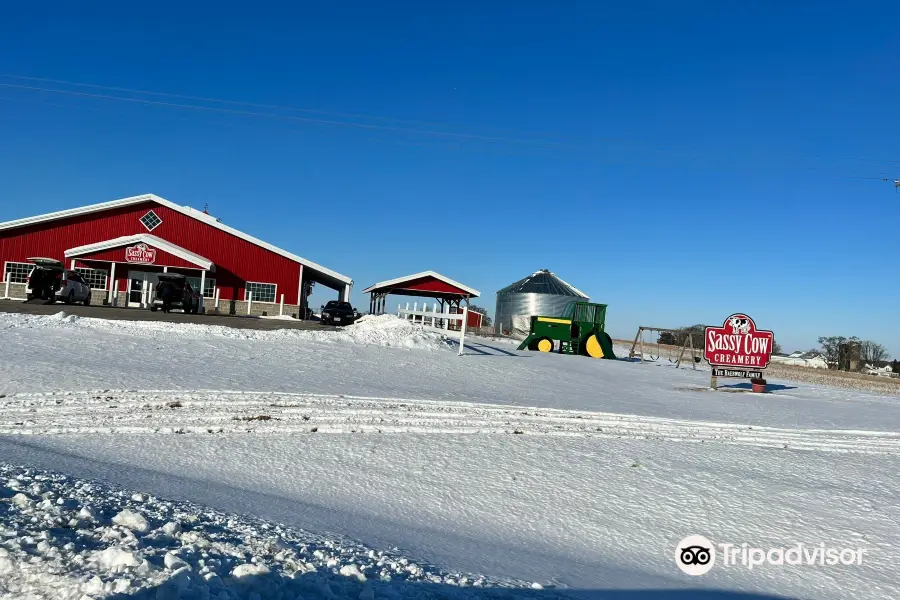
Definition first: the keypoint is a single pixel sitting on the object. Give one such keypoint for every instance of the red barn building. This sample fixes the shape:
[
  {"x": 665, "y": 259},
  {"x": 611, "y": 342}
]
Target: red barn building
[{"x": 120, "y": 247}]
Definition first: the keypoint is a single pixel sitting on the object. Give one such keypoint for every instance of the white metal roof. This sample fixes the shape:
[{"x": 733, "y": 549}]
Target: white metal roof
[
  {"x": 475, "y": 293},
  {"x": 185, "y": 210},
  {"x": 145, "y": 238}
]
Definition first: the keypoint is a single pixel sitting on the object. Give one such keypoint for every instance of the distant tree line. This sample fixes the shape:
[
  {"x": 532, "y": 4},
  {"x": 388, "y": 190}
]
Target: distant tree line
[
  {"x": 677, "y": 337},
  {"x": 840, "y": 352},
  {"x": 486, "y": 321}
]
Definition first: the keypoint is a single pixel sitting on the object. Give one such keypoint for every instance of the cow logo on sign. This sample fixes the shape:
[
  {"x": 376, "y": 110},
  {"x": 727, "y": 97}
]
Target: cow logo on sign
[
  {"x": 738, "y": 343},
  {"x": 140, "y": 254}
]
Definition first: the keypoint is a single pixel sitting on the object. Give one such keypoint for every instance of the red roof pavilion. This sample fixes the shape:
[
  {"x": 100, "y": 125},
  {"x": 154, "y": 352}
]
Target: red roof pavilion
[{"x": 427, "y": 284}]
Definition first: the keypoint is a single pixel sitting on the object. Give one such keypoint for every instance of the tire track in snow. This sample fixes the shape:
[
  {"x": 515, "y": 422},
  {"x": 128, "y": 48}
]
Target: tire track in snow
[{"x": 163, "y": 411}]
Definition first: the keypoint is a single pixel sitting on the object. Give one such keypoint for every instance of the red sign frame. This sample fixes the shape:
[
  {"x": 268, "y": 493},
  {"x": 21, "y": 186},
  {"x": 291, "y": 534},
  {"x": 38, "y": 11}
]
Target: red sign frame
[
  {"x": 738, "y": 344},
  {"x": 140, "y": 254}
]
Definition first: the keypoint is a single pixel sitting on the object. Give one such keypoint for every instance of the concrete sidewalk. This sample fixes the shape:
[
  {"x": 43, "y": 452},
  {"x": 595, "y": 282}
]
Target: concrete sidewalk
[{"x": 137, "y": 314}]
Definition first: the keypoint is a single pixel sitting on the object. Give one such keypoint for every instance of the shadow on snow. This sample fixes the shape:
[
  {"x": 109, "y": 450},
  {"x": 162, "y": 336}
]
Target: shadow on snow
[{"x": 331, "y": 586}]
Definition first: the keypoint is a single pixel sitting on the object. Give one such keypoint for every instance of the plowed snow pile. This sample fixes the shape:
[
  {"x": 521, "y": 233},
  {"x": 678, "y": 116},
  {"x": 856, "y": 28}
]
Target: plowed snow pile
[
  {"x": 70, "y": 539},
  {"x": 381, "y": 330}
]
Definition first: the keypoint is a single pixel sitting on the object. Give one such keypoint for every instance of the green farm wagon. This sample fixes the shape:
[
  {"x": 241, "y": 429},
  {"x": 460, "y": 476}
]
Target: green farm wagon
[{"x": 578, "y": 330}]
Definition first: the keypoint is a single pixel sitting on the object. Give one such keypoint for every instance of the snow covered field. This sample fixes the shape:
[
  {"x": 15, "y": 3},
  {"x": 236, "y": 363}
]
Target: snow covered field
[{"x": 519, "y": 468}]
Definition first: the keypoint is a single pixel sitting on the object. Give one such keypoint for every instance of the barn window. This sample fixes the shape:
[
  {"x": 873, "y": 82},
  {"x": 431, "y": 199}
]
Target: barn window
[
  {"x": 17, "y": 272},
  {"x": 151, "y": 221},
  {"x": 209, "y": 286},
  {"x": 95, "y": 278},
  {"x": 262, "y": 292}
]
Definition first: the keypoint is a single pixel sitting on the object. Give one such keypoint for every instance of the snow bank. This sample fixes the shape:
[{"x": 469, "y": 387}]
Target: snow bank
[
  {"x": 382, "y": 330},
  {"x": 50, "y": 549}
]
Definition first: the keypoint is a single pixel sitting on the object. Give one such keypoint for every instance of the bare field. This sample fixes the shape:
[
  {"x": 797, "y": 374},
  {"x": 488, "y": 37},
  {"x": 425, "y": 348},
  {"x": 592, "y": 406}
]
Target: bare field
[{"x": 839, "y": 379}]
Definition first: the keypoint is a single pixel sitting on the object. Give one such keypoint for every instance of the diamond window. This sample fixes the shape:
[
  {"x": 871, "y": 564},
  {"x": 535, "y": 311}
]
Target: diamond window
[{"x": 151, "y": 221}]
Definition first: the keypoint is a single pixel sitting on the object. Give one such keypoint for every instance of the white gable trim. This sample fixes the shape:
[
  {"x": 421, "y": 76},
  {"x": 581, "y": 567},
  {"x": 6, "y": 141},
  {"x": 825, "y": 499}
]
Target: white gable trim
[
  {"x": 185, "y": 210},
  {"x": 475, "y": 293},
  {"x": 142, "y": 238}
]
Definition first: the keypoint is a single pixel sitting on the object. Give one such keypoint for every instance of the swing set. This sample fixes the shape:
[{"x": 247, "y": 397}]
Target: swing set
[{"x": 637, "y": 348}]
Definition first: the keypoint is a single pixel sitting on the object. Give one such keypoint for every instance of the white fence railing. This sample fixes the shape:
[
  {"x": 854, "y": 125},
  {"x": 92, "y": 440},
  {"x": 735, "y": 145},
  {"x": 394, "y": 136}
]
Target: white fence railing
[{"x": 439, "y": 321}]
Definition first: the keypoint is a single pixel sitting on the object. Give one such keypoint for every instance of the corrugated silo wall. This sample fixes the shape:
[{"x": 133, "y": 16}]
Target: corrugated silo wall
[{"x": 527, "y": 305}]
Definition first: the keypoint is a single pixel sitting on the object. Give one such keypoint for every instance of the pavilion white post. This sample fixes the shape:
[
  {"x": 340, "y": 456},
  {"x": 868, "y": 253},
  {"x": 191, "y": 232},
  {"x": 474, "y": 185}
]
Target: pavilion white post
[
  {"x": 165, "y": 269},
  {"x": 115, "y": 295},
  {"x": 249, "y": 301},
  {"x": 462, "y": 329},
  {"x": 112, "y": 280},
  {"x": 6, "y": 295},
  {"x": 447, "y": 312},
  {"x": 217, "y": 299},
  {"x": 433, "y": 314},
  {"x": 144, "y": 293},
  {"x": 281, "y": 307},
  {"x": 72, "y": 265},
  {"x": 415, "y": 310},
  {"x": 202, "y": 288}
]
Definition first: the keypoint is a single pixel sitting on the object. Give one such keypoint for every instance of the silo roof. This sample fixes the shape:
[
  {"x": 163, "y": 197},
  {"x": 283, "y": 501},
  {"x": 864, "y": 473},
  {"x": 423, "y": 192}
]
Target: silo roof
[{"x": 542, "y": 282}]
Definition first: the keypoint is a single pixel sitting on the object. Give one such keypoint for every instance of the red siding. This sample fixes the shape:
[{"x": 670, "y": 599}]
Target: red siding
[
  {"x": 473, "y": 319},
  {"x": 163, "y": 259},
  {"x": 429, "y": 284},
  {"x": 236, "y": 261}
]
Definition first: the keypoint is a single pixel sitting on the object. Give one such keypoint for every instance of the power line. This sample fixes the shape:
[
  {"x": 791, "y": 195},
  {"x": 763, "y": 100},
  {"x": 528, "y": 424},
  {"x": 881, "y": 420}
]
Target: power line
[
  {"x": 537, "y": 139},
  {"x": 620, "y": 160},
  {"x": 462, "y": 137},
  {"x": 446, "y": 134},
  {"x": 233, "y": 102}
]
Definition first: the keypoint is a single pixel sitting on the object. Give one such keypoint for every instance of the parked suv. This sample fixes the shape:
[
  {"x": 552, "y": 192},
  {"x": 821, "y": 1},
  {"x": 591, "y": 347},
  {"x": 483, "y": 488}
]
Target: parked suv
[
  {"x": 338, "y": 313},
  {"x": 50, "y": 281},
  {"x": 174, "y": 291}
]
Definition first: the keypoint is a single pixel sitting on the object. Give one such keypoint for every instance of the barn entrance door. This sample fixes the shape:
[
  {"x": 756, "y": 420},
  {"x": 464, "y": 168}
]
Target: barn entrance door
[{"x": 140, "y": 288}]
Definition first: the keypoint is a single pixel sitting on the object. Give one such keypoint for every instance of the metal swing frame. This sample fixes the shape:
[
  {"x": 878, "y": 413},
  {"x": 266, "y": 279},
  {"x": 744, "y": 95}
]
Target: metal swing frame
[{"x": 688, "y": 343}]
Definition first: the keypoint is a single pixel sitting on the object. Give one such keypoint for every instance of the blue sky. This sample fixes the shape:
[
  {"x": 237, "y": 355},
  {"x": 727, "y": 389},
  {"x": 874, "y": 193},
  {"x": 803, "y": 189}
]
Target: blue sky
[{"x": 677, "y": 161}]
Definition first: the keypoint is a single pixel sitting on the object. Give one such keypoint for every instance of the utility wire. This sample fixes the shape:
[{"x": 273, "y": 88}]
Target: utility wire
[
  {"x": 429, "y": 132},
  {"x": 232, "y": 102},
  {"x": 436, "y": 129},
  {"x": 621, "y": 160},
  {"x": 463, "y": 137}
]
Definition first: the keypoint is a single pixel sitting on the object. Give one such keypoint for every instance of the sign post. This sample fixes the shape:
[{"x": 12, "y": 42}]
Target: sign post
[{"x": 737, "y": 349}]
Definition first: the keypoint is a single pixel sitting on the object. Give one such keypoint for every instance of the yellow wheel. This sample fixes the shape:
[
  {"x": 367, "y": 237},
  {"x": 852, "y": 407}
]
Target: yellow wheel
[
  {"x": 545, "y": 345},
  {"x": 593, "y": 348}
]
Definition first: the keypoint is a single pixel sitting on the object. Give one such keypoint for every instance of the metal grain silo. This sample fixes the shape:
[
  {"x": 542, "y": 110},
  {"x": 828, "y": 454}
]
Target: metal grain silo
[{"x": 541, "y": 293}]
